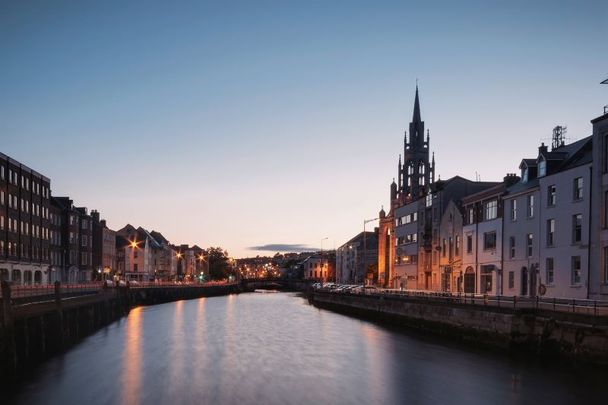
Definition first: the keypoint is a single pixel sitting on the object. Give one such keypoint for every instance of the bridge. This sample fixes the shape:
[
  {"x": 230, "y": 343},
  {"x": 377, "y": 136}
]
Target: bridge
[{"x": 282, "y": 284}]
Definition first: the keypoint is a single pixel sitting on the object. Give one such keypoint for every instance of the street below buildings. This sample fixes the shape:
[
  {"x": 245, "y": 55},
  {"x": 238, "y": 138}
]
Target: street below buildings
[{"x": 279, "y": 349}]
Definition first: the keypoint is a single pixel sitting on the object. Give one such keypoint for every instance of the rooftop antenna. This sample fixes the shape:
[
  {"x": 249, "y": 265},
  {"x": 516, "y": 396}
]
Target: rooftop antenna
[
  {"x": 606, "y": 106},
  {"x": 558, "y": 138}
]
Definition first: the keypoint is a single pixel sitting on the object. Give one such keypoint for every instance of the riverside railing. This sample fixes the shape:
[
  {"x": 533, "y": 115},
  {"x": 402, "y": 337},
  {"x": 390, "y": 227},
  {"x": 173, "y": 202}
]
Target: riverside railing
[
  {"x": 580, "y": 306},
  {"x": 22, "y": 294}
]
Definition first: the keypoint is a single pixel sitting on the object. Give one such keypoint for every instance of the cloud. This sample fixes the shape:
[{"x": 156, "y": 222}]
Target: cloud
[{"x": 283, "y": 247}]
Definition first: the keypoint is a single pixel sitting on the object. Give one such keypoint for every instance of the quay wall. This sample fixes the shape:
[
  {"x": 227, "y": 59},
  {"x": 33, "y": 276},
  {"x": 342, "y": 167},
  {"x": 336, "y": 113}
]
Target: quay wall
[
  {"x": 33, "y": 332},
  {"x": 543, "y": 333}
]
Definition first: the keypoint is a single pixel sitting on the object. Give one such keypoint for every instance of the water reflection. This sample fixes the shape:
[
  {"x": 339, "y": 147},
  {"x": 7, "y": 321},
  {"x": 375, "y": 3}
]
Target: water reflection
[
  {"x": 131, "y": 375},
  {"x": 277, "y": 349}
]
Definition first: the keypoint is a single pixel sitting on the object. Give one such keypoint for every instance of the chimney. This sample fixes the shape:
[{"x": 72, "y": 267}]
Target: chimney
[
  {"x": 542, "y": 149},
  {"x": 510, "y": 179}
]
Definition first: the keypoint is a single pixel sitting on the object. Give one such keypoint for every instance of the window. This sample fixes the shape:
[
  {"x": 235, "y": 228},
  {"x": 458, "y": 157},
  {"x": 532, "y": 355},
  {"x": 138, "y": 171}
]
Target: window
[
  {"x": 511, "y": 280},
  {"x": 529, "y": 244},
  {"x": 84, "y": 240},
  {"x": 513, "y": 210},
  {"x": 578, "y": 188},
  {"x": 606, "y": 265},
  {"x": 489, "y": 240},
  {"x": 549, "y": 270},
  {"x": 576, "y": 270},
  {"x": 135, "y": 267},
  {"x": 469, "y": 244},
  {"x": 443, "y": 248},
  {"x": 491, "y": 210},
  {"x": 1, "y": 197},
  {"x": 512, "y": 247},
  {"x": 471, "y": 215},
  {"x": 550, "y": 232},
  {"x": 457, "y": 251},
  {"x": 530, "y": 200},
  {"x": 551, "y": 195},
  {"x": 429, "y": 200},
  {"x": 84, "y": 224},
  {"x": 606, "y": 209},
  {"x": 577, "y": 228},
  {"x": 524, "y": 175},
  {"x": 485, "y": 279},
  {"x": 542, "y": 168},
  {"x": 451, "y": 248}
]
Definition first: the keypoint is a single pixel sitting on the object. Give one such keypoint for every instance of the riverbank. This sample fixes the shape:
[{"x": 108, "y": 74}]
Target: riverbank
[
  {"x": 33, "y": 332},
  {"x": 547, "y": 334}
]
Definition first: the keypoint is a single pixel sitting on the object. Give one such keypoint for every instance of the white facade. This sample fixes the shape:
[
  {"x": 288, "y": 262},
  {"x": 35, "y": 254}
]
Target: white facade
[
  {"x": 564, "y": 253},
  {"x": 520, "y": 249}
]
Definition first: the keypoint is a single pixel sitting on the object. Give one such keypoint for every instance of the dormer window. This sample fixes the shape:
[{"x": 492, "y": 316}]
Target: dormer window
[
  {"x": 524, "y": 175},
  {"x": 542, "y": 168}
]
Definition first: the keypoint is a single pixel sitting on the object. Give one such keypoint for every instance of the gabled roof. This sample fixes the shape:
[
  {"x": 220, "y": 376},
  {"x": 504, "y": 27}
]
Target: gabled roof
[
  {"x": 528, "y": 163},
  {"x": 159, "y": 237}
]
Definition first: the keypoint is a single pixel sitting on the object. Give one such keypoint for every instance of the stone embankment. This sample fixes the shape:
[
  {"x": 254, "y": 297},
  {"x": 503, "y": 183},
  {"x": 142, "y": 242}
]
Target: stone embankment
[
  {"x": 550, "y": 334},
  {"x": 33, "y": 331}
]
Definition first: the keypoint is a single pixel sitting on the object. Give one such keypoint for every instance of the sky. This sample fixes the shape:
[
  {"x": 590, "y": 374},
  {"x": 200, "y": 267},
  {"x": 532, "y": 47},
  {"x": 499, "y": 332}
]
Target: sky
[{"x": 253, "y": 125}]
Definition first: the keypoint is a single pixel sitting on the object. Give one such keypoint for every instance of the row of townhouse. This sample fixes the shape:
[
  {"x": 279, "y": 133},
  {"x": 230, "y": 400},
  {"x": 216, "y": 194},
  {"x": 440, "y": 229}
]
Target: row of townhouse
[
  {"x": 45, "y": 238},
  {"x": 145, "y": 256},
  {"x": 532, "y": 237},
  {"x": 542, "y": 232}
]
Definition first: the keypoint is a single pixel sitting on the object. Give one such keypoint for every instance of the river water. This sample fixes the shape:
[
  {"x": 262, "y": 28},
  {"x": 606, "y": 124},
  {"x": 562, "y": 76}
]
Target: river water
[{"x": 263, "y": 348}]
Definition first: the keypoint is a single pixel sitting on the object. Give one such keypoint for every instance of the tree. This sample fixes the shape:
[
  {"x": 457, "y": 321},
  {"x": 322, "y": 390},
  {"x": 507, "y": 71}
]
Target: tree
[{"x": 219, "y": 267}]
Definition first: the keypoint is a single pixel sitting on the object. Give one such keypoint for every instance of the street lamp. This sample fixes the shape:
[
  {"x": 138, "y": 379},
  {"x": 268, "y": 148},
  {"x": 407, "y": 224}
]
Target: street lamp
[{"x": 365, "y": 222}]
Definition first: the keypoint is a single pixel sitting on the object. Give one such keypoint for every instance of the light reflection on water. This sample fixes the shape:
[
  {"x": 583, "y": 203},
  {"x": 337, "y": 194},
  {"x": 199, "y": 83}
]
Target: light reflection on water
[
  {"x": 131, "y": 375},
  {"x": 277, "y": 349}
]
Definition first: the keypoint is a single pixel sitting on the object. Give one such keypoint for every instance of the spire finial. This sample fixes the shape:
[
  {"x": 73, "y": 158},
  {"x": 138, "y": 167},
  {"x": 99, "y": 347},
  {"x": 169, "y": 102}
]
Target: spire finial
[{"x": 416, "y": 117}]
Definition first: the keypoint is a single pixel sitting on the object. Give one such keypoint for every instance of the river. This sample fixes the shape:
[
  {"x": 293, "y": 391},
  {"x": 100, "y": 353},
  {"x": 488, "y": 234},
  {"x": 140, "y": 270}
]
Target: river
[{"x": 275, "y": 348}]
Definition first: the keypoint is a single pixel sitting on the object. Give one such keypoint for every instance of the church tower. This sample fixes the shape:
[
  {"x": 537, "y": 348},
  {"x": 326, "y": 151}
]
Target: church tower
[{"x": 417, "y": 172}]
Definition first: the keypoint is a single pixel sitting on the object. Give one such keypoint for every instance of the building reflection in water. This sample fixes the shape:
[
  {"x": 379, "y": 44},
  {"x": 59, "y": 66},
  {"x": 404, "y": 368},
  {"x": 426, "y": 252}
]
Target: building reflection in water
[{"x": 132, "y": 358}]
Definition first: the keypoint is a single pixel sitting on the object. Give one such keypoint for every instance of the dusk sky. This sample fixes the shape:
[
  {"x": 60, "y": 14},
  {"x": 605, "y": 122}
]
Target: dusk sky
[{"x": 245, "y": 124}]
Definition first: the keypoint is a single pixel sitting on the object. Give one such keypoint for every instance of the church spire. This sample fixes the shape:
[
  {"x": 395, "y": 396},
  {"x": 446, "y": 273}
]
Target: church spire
[{"x": 416, "y": 116}]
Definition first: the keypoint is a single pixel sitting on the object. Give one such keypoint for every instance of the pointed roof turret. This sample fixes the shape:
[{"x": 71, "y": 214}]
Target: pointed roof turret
[{"x": 416, "y": 116}]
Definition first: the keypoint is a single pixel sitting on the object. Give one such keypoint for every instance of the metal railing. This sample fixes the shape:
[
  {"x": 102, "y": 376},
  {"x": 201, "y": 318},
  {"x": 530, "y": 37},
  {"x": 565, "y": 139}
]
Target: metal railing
[
  {"x": 20, "y": 294},
  {"x": 579, "y": 306}
]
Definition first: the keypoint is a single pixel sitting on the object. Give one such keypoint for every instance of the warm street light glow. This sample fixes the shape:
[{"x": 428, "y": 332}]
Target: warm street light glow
[
  {"x": 134, "y": 244},
  {"x": 179, "y": 255}
]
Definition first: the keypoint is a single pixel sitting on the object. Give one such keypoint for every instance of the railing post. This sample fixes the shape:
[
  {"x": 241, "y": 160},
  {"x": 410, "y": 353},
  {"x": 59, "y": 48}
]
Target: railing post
[
  {"x": 57, "y": 293},
  {"x": 9, "y": 346},
  {"x": 537, "y": 302},
  {"x": 573, "y": 304},
  {"x": 595, "y": 308},
  {"x": 514, "y": 301},
  {"x": 554, "y": 303}
]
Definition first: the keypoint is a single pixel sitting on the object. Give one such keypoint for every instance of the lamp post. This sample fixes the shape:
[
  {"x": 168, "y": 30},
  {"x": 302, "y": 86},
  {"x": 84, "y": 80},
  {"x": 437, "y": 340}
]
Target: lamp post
[
  {"x": 365, "y": 222},
  {"x": 322, "y": 239}
]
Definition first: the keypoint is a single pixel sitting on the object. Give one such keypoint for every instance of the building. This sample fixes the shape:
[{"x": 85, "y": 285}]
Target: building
[
  {"x": 415, "y": 176},
  {"x": 598, "y": 277},
  {"x": 546, "y": 233},
  {"x": 76, "y": 236},
  {"x": 24, "y": 223},
  {"x": 439, "y": 253},
  {"x": 104, "y": 248},
  {"x": 356, "y": 258},
  {"x": 135, "y": 253},
  {"x": 165, "y": 258},
  {"x": 320, "y": 266},
  {"x": 482, "y": 253}
]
